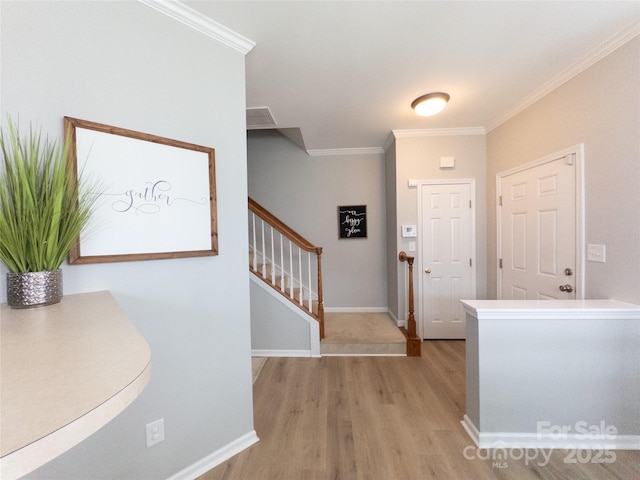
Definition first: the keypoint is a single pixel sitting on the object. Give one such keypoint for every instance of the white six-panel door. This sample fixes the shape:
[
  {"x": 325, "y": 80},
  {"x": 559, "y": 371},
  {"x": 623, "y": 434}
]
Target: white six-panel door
[
  {"x": 447, "y": 254},
  {"x": 538, "y": 218}
]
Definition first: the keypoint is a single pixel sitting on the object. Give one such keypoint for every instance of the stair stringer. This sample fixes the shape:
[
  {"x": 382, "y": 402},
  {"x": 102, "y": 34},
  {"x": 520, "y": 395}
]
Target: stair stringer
[{"x": 313, "y": 349}]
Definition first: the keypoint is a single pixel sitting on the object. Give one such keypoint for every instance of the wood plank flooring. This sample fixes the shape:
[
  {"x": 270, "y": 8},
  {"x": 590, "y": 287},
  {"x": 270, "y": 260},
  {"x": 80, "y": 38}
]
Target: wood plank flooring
[{"x": 383, "y": 418}]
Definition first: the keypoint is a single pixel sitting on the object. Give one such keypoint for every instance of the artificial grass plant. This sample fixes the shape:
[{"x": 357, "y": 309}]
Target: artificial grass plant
[{"x": 42, "y": 211}]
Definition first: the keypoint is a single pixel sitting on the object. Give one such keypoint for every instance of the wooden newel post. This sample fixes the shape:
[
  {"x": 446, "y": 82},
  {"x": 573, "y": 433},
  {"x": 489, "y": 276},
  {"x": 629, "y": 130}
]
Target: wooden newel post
[
  {"x": 414, "y": 344},
  {"x": 320, "y": 300}
]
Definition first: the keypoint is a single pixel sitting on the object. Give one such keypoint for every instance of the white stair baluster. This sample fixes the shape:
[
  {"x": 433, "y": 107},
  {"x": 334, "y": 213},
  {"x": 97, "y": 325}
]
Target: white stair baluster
[
  {"x": 264, "y": 266},
  {"x": 291, "y": 268},
  {"x": 273, "y": 259},
  {"x": 253, "y": 231},
  {"x": 281, "y": 264},
  {"x": 300, "y": 275},
  {"x": 309, "y": 284}
]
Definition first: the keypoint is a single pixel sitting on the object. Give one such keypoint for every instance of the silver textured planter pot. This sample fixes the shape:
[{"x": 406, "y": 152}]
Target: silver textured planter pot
[{"x": 34, "y": 289}]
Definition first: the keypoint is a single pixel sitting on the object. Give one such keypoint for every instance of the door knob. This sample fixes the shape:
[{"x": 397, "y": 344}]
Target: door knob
[
  {"x": 427, "y": 270},
  {"x": 566, "y": 288},
  {"x": 568, "y": 272}
]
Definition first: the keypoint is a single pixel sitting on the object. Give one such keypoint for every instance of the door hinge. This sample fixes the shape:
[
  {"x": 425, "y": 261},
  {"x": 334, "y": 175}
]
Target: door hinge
[
  {"x": 471, "y": 262},
  {"x": 500, "y": 263},
  {"x": 469, "y": 203},
  {"x": 500, "y": 200}
]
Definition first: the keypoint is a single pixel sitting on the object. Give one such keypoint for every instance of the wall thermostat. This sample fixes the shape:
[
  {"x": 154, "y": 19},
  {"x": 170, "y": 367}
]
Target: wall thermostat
[{"x": 409, "y": 231}]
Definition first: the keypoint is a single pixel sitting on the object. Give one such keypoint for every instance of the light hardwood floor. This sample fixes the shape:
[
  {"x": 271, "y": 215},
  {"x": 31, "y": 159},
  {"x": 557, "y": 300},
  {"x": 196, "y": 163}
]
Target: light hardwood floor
[{"x": 383, "y": 418}]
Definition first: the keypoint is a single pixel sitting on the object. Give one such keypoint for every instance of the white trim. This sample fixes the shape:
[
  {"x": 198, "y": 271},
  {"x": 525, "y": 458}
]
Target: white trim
[
  {"x": 356, "y": 310},
  {"x": 439, "y": 132},
  {"x": 389, "y": 141},
  {"x": 282, "y": 353},
  {"x": 535, "y": 310},
  {"x": 420, "y": 264},
  {"x": 611, "y": 44},
  {"x": 326, "y": 152},
  {"x": 314, "y": 326},
  {"x": 580, "y": 248},
  {"x": 470, "y": 428},
  {"x": 364, "y": 354},
  {"x": 201, "y": 23},
  {"x": 502, "y": 440},
  {"x": 399, "y": 323},
  {"x": 216, "y": 458}
]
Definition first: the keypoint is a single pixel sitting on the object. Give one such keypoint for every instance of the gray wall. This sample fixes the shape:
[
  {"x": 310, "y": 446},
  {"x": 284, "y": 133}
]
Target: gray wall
[
  {"x": 419, "y": 158},
  {"x": 599, "y": 107},
  {"x": 305, "y": 193},
  {"x": 124, "y": 64},
  {"x": 279, "y": 328}
]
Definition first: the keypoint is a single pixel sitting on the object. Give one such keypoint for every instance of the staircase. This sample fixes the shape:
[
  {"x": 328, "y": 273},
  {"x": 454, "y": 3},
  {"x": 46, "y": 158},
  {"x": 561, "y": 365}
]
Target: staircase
[
  {"x": 363, "y": 334},
  {"x": 286, "y": 261},
  {"x": 292, "y": 267}
]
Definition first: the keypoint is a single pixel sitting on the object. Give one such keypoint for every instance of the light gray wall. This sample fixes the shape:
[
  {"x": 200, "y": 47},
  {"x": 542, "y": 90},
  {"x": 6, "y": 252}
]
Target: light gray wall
[
  {"x": 124, "y": 64},
  {"x": 305, "y": 193},
  {"x": 419, "y": 158},
  {"x": 276, "y": 328},
  {"x": 601, "y": 108}
]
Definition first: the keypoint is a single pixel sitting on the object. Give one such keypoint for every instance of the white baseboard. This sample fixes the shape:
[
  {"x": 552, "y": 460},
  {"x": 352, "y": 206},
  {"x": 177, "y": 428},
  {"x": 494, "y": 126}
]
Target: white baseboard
[
  {"x": 364, "y": 354},
  {"x": 399, "y": 323},
  {"x": 548, "y": 440},
  {"x": 216, "y": 458},
  {"x": 356, "y": 309},
  {"x": 282, "y": 353},
  {"x": 471, "y": 429}
]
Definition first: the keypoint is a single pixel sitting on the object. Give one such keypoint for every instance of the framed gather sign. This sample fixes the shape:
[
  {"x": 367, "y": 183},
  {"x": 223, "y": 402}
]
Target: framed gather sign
[{"x": 157, "y": 196}]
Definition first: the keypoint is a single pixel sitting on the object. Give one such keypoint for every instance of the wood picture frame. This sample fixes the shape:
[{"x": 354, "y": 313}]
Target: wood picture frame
[
  {"x": 157, "y": 196},
  {"x": 352, "y": 221}
]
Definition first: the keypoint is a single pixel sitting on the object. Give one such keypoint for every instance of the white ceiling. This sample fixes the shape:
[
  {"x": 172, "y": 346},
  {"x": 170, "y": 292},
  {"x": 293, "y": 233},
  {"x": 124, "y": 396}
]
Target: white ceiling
[{"x": 346, "y": 72}]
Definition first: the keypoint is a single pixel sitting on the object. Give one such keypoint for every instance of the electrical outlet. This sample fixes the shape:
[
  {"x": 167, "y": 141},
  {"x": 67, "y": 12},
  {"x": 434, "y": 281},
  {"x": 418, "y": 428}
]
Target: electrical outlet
[{"x": 155, "y": 432}]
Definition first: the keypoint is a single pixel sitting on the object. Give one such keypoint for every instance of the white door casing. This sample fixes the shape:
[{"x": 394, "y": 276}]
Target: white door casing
[
  {"x": 446, "y": 270},
  {"x": 539, "y": 228}
]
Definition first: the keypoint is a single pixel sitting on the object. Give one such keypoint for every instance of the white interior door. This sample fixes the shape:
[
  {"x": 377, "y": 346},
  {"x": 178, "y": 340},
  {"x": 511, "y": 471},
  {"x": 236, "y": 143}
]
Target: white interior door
[
  {"x": 538, "y": 219},
  {"x": 447, "y": 253}
]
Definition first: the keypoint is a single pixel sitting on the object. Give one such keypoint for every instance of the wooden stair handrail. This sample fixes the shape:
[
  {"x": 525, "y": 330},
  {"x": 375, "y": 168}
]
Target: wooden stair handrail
[
  {"x": 301, "y": 242},
  {"x": 414, "y": 344},
  {"x": 282, "y": 227}
]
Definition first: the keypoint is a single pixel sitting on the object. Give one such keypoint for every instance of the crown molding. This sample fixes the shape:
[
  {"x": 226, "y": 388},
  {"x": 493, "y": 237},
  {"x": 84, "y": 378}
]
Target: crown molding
[
  {"x": 201, "y": 23},
  {"x": 432, "y": 132},
  {"x": 439, "y": 132},
  {"x": 345, "y": 151},
  {"x": 608, "y": 46},
  {"x": 390, "y": 139}
]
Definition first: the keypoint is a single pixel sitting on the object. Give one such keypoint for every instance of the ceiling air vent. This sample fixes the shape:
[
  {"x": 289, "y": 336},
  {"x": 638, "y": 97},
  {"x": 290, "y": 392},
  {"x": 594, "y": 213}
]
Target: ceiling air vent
[{"x": 260, "y": 117}]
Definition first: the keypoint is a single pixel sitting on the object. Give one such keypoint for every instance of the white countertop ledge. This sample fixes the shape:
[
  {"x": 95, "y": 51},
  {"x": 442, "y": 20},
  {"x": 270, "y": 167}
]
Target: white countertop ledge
[
  {"x": 550, "y": 309},
  {"x": 66, "y": 371}
]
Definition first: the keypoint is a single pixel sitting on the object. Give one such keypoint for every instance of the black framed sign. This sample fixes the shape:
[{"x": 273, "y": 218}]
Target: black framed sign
[{"x": 352, "y": 221}]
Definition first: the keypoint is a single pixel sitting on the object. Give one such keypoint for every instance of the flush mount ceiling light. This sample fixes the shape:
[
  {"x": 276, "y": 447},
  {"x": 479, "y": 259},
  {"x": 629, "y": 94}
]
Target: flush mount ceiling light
[{"x": 430, "y": 104}]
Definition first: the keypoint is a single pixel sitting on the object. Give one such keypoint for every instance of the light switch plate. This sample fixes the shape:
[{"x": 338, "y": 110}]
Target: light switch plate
[{"x": 596, "y": 253}]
